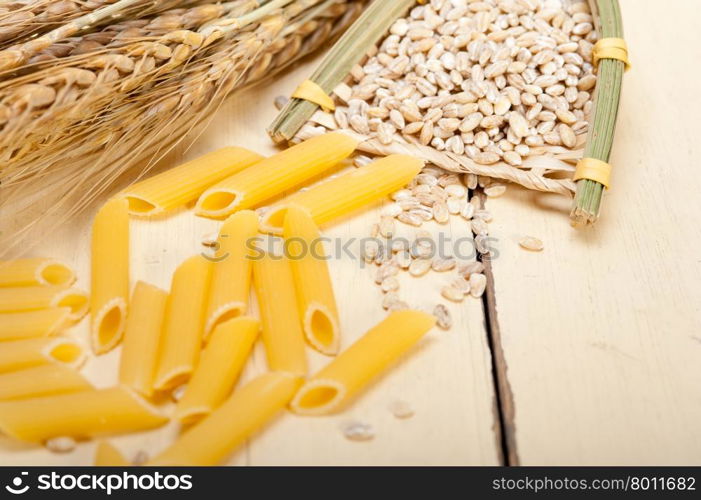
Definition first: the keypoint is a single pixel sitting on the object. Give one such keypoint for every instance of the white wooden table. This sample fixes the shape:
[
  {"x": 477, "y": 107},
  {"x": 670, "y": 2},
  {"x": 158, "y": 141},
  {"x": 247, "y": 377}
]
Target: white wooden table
[{"x": 594, "y": 344}]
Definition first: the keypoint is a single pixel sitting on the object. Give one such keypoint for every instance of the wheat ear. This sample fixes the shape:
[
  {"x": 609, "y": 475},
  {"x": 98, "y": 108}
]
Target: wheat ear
[{"x": 149, "y": 125}]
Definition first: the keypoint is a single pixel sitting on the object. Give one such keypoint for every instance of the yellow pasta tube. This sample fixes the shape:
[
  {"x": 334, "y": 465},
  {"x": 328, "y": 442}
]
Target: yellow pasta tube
[
  {"x": 347, "y": 193},
  {"x": 137, "y": 365},
  {"x": 41, "y": 380},
  {"x": 352, "y": 370},
  {"x": 219, "y": 368},
  {"x": 110, "y": 275},
  {"x": 282, "y": 329},
  {"x": 274, "y": 175},
  {"x": 231, "y": 271},
  {"x": 315, "y": 297},
  {"x": 20, "y": 354},
  {"x": 185, "y": 183},
  {"x": 79, "y": 415},
  {"x": 247, "y": 410},
  {"x": 36, "y": 271},
  {"x": 106, "y": 455},
  {"x": 183, "y": 324},
  {"x": 28, "y": 324},
  {"x": 32, "y": 298}
]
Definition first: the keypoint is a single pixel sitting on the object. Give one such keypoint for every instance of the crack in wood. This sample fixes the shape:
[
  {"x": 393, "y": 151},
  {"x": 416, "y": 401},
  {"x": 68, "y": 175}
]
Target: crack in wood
[{"x": 505, "y": 411}]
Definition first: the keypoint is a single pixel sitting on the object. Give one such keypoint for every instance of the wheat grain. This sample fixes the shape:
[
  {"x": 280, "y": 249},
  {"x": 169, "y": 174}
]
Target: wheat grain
[{"x": 531, "y": 243}]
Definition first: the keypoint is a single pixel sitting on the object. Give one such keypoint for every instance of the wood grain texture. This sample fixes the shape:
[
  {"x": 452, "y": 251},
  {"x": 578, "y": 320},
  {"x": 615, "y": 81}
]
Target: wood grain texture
[
  {"x": 446, "y": 379},
  {"x": 601, "y": 331}
]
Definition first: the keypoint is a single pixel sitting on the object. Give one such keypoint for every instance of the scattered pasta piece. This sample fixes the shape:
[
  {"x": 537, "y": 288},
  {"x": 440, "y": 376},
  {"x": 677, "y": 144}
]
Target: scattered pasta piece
[
  {"x": 28, "y": 324},
  {"x": 347, "y": 193},
  {"x": 184, "y": 323},
  {"x": 247, "y": 410},
  {"x": 78, "y": 415},
  {"x": 142, "y": 337},
  {"x": 36, "y": 271},
  {"x": 183, "y": 184},
  {"x": 315, "y": 297},
  {"x": 343, "y": 378},
  {"x": 21, "y": 354},
  {"x": 282, "y": 328},
  {"x": 222, "y": 362},
  {"x": 110, "y": 275},
  {"x": 274, "y": 175},
  {"x": 34, "y": 298},
  {"x": 231, "y": 272},
  {"x": 41, "y": 380}
]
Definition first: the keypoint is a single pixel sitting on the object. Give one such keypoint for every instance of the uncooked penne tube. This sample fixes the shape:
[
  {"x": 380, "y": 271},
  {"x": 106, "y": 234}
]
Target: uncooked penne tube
[
  {"x": 282, "y": 327},
  {"x": 35, "y": 271},
  {"x": 20, "y": 354},
  {"x": 183, "y": 184},
  {"x": 106, "y": 455},
  {"x": 28, "y": 324},
  {"x": 110, "y": 275},
  {"x": 352, "y": 370},
  {"x": 183, "y": 324},
  {"x": 347, "y": 193},
  {"x": 219, "y": 368},
  {"x": 275, "y": 175},
  {"x": 231, "y": 271},
  {"x": 79, "y": 415},
  {"x": 137, "y": 365},
  {"x": 247, "y": 410},
  {"x": 315, "y": 297},
  {"x": 41, "y": 380},
  {"x": 33, "y": 298}
]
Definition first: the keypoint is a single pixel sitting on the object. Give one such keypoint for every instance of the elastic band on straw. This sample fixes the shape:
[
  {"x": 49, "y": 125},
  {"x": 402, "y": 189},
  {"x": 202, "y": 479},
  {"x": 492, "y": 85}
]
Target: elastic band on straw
[
  {"x": 611, "y": 48},
  {"x": 312, "y": 92},
  {"x": 594, "y": 170}
]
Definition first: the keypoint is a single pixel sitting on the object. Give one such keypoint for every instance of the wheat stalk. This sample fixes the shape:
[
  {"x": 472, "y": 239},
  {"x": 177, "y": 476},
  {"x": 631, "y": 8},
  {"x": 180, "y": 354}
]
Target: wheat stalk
[
  {"x": 39, "y": 107},
  {"x": 153, "y": 121},
  {"x": 51, "y": 20}
]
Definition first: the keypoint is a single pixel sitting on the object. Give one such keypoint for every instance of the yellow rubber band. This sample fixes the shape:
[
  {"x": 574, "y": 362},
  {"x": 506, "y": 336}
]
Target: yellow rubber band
[
  {"x": 611, "y": 48},
  {"x": 310, "y": 91},
  {"x": 594, "y": 170}
]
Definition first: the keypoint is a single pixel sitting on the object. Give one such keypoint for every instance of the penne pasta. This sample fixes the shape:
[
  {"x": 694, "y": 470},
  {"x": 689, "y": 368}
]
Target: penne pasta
[
  {"x": 352, "y": 370},
  {"x": 33, "y": 272},
  {"x": 231, "y": 272},
  {"x": 78, "y": 415},
  {"x": 220, "y": 366},
  {"x": 110, "y": 275},
  {"x": 183, "y": 324},
  {"x": 106, "y": 455},
  {"x": 349, "y": 192},
  {"x": 21, "y": 354},
  {"x": 41, "y": 380},
  {"x": 282, "y": 329},
  {"x": 183, "y": 184},
  {"x": 33, "y": 298},
  {"x": 142, "y": 336},
  {"x": 247, "y": 410},
  {"x": 28, "y": 324},
  {"x": 274, "y": 175},
  {"x": 315, "y": 297}
]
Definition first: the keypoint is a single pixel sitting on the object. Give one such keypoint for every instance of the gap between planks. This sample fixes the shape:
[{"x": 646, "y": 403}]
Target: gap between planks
[{"x": 504, "y": 410}]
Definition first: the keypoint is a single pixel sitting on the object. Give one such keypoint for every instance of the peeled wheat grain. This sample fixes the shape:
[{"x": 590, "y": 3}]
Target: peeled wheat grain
[
  {"x": 452, "y": 294},
  {"x": 478, "y": 285},
  {"x": 531, "y": 243}
]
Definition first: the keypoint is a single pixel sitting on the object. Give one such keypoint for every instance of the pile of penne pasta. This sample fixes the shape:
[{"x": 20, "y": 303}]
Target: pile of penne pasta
[{"x": 199, "y": 334}]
